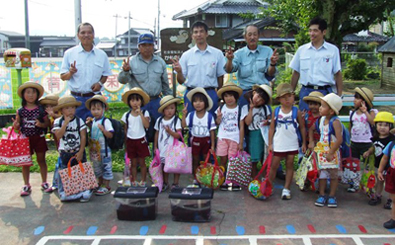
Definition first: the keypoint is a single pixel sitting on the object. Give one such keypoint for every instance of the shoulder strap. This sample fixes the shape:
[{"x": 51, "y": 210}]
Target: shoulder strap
[
  {"x": 127, "y": 119},
  {"x": 238, "y": 116},
  {"x": 276, "y": 112},
  {"x": 351, "y": 115},
  {"x": 160, "y": 120},
  {"x": 317, "y": 125},
  {"x": 191, "y": 114},
  {"x": 392, "y": 144},
  {"x": 209, "y": 120}
]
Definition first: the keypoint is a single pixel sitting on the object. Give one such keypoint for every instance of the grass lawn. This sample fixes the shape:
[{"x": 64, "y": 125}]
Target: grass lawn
[{"x": 118, "y": 109}]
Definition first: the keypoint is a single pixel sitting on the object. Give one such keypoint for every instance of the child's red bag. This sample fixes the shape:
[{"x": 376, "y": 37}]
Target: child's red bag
[{"x": 15, "y": 150}]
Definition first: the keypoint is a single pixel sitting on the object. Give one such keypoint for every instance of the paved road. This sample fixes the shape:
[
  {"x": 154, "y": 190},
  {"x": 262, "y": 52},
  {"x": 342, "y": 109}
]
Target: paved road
[{"x": 237, "y": 218}]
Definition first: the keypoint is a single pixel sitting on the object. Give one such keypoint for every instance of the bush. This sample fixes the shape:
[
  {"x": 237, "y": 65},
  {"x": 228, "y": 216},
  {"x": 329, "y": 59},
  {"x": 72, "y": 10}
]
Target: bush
[{"x": 356, "y": 69}]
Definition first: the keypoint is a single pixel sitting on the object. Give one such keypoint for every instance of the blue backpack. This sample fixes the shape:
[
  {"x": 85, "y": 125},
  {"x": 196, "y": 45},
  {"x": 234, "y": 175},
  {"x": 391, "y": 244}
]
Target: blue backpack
[
  {"x": 345, "y": 149},
  {"x": 294, "y": 121}
]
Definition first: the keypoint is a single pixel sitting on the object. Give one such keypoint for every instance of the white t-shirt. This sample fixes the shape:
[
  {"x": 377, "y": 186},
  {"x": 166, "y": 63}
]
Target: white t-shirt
[
  {"x": 97, "y": 134},
  {"x": 229, "y": 127},
  {"x": 165, "y": 139},
  {"x": 136, "y": 128},
  {"x": 71, "y": 139},
  {"x": 258, "y": 116},
  {"x": 285, "y": 137},
  {"x": 200, "y": 126}
]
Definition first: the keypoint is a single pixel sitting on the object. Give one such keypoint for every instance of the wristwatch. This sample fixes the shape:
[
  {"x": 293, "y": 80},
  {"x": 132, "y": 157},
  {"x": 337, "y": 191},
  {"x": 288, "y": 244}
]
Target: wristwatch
[{"x": 101, "y": 84}]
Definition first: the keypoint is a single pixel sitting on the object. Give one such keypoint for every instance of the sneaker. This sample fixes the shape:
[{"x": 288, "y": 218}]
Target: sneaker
[
  {"x": 320, "y": 202},
  {"x": 46, "y": 188},
  {"x": 134, "y": 184},
  {"x": 26, "y": 190},
  {"x": 196, "y": 183},
  {"x": 388, "y": 204},
  {"x": 286, "y": 195},
  {"x": 236, "y": 188},
  {"x": 54, "y": 187},
  {"x": 375, "y": 200},
  {"x": 86, "y": 196},
  {"x": 126, "y": 183},
  {"x": 102, "y": 191},
  {"x": 142, "y": 184},
  {"x": 332, "y": 203},
  {"x": 165, "y": 187},
  {"x": 120, "y": 182},
  {"x": 390, "y": 224},
  {"x": 351, "y": 190},
  {"x": 174, "y": 186},
  {"x": 224, "y": 187}
]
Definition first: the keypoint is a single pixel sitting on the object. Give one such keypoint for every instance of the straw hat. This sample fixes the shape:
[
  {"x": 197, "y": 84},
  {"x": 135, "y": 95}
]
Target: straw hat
[
  {"x": 30, "y": 84},
  {"x": 49, "y": 99},
  {"x": 366, "y": 94},
  {"x": 67, "y": 100},
  {"x": 98, "y": 97},
  {"x": 167, "y": 100},
  {"x": 283, "y": 89},
  {"x": 266, "y": 88},
  {"x": 229, "y": 86},
  {"x": 334, "y": 101},
  {"x": 200, "y": 90},
  {"x": 136, "y": 90},
  {"x": 314, "y": 96}
]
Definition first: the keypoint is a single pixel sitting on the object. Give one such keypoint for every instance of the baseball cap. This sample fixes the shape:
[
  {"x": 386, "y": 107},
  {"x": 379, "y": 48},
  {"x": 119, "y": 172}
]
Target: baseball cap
[{"x": 146, "y": 38}]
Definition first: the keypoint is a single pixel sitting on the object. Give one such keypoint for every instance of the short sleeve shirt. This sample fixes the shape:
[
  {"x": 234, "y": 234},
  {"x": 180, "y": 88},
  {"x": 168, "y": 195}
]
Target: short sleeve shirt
[
  {"x": 136, "y": 128},
  {"x": 251, "y": 66},
  {"x": 28, "y": 120},
  {"x": 165, "y": 139},
  {"x": 97, "y": 134},
  {"x": 316, "y": 66},
  {"x": 260, "y": 116},
  {"x": 200, "y": 128},
  {"x": 71, "y": 139},
  {"x": 229, "y": 126},
  {"x": 379, "y": 146},
  {"x": 201, "y": 68}
]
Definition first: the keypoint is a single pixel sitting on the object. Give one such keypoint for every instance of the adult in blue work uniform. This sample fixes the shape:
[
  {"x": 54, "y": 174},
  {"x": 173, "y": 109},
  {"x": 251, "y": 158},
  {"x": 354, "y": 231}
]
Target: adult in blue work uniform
[
  {"x": 86, "y": 68},
  {"x": 201, "y": 66},
  {"x": 316, "y": 65},
  {"x": 147, "y": 71},
  {"x": 253, "y": 63}
]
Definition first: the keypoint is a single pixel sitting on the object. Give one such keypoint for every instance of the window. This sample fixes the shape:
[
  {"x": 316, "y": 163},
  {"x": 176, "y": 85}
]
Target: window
[
  {"x": 389, "y": 62},
  {"x": 221, "y": 21}
]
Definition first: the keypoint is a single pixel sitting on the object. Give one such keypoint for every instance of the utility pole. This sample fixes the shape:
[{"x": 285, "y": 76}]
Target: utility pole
[
  {"x": 158, "y": 36},
  {"x": 27, "y": 36},
  {"x": 116, "y": 26},
  {"x": 77, "y": 16},
  {"x": 129, "y": 52}
]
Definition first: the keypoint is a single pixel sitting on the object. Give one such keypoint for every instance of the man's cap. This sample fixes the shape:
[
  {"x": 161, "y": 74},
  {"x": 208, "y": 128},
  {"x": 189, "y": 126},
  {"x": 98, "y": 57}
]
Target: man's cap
[{"x": 146, "y": 38}]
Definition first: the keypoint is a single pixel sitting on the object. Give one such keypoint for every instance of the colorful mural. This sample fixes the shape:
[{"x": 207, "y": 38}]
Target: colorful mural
[{"x": 47, "y": 73}]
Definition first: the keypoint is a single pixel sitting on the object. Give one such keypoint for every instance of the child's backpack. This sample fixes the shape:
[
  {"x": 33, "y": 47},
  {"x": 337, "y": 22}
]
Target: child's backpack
[
  {"x": 190, "y": 123},
  {"x": 294, "y": 121},
  {"x": 391, "y": 164},
  {"x": 118, "y": 138},
  {"x": 345, "y": 149},
  {"x": 150, "y": 131}
]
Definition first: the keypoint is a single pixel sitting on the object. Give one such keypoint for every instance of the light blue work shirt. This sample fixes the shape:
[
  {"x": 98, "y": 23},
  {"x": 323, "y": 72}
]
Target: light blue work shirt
[
  {"x": 149, "y": 76},
  {"x": 201, "y": 68},
  {"x": 316, "y": 66},
  {"x": 91, "y": 66},
  {"x": 251, "y": 66}
]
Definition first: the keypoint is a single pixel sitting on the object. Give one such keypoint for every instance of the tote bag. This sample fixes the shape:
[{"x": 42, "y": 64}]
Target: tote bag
[{"x": 15, "y": 150}]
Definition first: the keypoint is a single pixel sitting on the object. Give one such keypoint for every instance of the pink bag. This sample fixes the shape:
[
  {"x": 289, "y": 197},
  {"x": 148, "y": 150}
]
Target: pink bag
[
  {"x": 178, "y": 159},
  {"x": 155, "y": 170},
  {"x": 15, "y": 150},
  {"x": 77, "y": 178}
]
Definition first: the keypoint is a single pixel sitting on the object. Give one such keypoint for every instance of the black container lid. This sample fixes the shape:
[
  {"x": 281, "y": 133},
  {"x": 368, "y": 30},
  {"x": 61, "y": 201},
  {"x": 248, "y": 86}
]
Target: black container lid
[
  {"x": 136, "y": 192},
  {"x": 191, "y": 193}
]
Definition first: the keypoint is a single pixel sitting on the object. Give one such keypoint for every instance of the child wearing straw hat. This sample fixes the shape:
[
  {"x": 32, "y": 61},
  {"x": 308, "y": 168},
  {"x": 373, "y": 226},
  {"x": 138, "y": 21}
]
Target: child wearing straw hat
[
  {"x": 201, "y": 125},
  {"x": 99, "y": 151},
  {"x": 71, "y": 132},
  {"x": 328, "y": 160},
  {"x": 361, "y": 125},
  {"x": 31, "y": 119},
  {"x": 136, "y": 121},
  {"x": 230, "y": 121},
  {"x": 49, "y": 102},
  {"x": 313, "y": 100},
  {"x": 286, "y": 135},
  {"x": 168, "y": 128},
  {"x": 258, "y": 121}
]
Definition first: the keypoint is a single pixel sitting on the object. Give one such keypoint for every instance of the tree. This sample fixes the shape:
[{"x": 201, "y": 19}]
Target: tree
[{"x": 343, "y": 16}]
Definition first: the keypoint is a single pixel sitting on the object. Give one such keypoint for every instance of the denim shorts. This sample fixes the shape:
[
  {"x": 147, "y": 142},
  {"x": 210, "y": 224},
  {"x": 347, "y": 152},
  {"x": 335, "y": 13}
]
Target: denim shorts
[{"x": 103, "y": 168}]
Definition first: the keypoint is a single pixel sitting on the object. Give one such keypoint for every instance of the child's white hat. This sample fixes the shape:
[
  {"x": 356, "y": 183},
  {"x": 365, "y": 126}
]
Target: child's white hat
[
  {"x": 266, "y": 88},
  {"x": 203, "y": 91},
  {"x": 334, "y": 101}
]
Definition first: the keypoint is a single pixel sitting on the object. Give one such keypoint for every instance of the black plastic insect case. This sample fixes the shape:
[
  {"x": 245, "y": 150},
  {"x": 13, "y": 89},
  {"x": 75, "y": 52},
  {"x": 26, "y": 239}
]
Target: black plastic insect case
[
  {"x": 137, "y": 203},
  {"x": 191, "y": 204}
]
